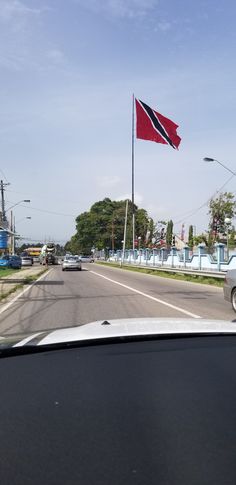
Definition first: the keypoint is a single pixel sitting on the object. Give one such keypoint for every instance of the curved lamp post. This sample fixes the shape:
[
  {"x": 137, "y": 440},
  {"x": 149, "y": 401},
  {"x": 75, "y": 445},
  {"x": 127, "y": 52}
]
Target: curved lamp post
[
  {"x": 228, "y": 223},
  {"x": 208, "y": 159}
]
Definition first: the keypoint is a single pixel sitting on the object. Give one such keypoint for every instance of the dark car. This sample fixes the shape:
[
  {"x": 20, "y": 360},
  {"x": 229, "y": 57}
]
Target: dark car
[{"x": 15, "y": 261}]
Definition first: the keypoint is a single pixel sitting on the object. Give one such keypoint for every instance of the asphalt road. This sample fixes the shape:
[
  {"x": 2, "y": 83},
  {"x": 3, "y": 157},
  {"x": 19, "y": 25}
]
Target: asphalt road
[{"x": 62, "y": 299}]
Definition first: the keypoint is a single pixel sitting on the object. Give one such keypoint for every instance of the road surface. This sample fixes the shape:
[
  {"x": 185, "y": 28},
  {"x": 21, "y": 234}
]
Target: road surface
[{"x": 62, "y": 299}]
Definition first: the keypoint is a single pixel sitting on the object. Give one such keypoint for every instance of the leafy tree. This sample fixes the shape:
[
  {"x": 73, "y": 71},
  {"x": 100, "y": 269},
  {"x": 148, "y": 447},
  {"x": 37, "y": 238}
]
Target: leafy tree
[
  {"x": 207, "y": 239},
  {"x": 201, "y": 238},
  {"x": 102, "y": 226},
  {"x": 169, "y": 233},
  {"x": 219, "y": 208},
  {"x": 190, "y": 236},
  {"x": 232, "y": 238},
  {"x": 72, "y": 246}
]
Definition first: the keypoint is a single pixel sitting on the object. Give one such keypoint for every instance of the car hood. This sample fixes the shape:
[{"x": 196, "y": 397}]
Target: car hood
[{"x": 122, "y": 328}]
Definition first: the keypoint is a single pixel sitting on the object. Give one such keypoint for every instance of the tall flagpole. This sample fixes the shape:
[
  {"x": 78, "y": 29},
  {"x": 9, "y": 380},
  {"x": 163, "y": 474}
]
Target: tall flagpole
[
  {"x": 133, "y": 211},
  {"x": 125, "y": 230}
]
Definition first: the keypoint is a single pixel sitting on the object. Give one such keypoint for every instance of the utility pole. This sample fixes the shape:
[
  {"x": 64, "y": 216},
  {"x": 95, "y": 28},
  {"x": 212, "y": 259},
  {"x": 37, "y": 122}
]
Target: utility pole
[
  {"x": 2, "y": 185},
  {"x": 11, "y": 229},
  {"x": 14, "y": 234},
  {"x": 112, "y": 237}
]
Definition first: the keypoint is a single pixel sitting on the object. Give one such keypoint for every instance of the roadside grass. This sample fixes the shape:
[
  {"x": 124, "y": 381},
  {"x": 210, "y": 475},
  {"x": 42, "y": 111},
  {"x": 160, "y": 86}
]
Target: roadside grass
[
  {"x": 7, "y": 272},
  {"x": 206, "y": 280},
  {"x": 25, "y": 281},
  {"x": 30, "y": 279}
]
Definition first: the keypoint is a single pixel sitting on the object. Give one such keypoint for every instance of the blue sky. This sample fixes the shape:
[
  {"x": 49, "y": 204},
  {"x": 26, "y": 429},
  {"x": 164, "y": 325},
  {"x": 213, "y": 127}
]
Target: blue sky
[{"x": 68, "y": 69}]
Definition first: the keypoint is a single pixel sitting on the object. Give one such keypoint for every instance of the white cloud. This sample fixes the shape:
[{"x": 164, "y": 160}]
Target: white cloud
[
  {"x": 163, "y": 26},
  {"x": 55, "y": 55},
  {"x": 120, "y": 8},
  {"x": 137, "y": 200},
  {"x": 108, "y": 180},
  {"x": 15, "y": 8}
]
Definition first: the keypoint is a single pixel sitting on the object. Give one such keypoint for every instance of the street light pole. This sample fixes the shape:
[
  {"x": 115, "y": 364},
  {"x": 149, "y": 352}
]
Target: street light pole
[
  {"x": 208, "y": 159},
  {"x": 14, "y": 232},
  {"x": 13, "y": 229},
  {"x": 17, "y": 203},
  {"x": 227, "y": 222}
]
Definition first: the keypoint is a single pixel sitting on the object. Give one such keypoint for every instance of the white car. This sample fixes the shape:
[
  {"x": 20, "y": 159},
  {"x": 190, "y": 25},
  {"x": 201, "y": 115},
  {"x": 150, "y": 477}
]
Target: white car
[
  {"x": 26, "y": 260},
  {"x": 86, "y": 259},
  {"x": 71, "y": 263},
  {"x": 135, "y": 401}
]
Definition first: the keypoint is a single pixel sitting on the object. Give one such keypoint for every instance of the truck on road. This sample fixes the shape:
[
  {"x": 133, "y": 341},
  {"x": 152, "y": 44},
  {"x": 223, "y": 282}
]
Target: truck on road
[{"x": 48, "y": 254}]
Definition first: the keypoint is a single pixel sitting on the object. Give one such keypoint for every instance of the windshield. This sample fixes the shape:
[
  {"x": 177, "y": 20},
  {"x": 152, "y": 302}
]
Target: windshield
[{"x": 117, "y": 169}]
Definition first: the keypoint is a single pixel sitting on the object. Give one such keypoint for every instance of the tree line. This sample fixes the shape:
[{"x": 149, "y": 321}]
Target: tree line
[{"x": 102, "y": 227}]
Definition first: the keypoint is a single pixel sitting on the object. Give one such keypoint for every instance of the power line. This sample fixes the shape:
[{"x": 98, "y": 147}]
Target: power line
[
  {"x": 41, "y": 240},
  {"x": 194, "y": 211},
  {"x": 47, "y": 211},
  {"x": 4, "y": 176}
]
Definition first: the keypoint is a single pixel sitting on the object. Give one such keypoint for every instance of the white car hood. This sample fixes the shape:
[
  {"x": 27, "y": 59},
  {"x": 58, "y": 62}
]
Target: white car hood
[{"x": 129, "y": 328}]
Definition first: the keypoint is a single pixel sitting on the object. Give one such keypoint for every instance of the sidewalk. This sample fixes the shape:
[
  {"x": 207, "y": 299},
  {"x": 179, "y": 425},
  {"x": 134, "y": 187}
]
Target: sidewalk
[{"x": 11, "y": 283}]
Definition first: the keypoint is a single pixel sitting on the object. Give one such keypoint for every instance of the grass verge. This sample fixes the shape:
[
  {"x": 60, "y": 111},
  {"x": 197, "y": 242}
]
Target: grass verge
[
  {"x": 25, "y": 281},
  {"x": 206, "y": 280},
  {"x": 7, "y": 272}
]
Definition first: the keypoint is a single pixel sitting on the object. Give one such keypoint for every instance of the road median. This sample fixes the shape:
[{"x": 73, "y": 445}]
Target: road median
[{"x": 10, "y": 283}]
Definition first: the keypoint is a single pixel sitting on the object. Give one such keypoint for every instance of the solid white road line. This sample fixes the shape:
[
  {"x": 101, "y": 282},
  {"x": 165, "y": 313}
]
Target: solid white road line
[
  {"x": 162, "y": 302},
  {"x": 5, "y": 307}
]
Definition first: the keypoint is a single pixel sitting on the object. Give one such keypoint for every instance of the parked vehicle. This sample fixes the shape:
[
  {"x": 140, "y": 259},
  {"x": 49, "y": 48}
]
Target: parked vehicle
[
  {"x": 86, "y": 258},
  {"x": 26, "y": 260},
  {"x": 15, "y": 261},
  {"x": 10, "y": 261}
]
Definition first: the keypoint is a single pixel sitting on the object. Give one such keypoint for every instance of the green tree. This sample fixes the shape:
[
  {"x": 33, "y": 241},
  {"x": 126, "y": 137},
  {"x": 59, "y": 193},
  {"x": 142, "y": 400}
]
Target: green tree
[
  {"x": 190, "y": 236},
  {"x": 169, "y": 233},
  {"x": 72, "y": 246},
  {"x": 219, "y": 208},
  {"x": 232, "y": 237},
  {"x": 201, "y": 238},
  {"x": 207, "y": 239},
  {"x": 103, "y": 226}
]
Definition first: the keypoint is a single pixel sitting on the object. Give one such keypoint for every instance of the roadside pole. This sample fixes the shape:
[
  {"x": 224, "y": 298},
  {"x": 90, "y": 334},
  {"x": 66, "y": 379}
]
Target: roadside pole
[{"x": 125, "y": 228}]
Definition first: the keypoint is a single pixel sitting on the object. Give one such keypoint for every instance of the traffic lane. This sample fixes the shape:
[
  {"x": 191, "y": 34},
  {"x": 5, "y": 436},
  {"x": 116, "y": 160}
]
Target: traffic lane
[
  {"x": 64, "y": 299},
  {"x": 204, "y": 300}
]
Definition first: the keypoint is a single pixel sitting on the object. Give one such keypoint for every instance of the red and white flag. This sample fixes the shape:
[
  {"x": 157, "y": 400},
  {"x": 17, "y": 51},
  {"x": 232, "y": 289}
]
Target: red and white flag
[{"x": 151, "y": 125}]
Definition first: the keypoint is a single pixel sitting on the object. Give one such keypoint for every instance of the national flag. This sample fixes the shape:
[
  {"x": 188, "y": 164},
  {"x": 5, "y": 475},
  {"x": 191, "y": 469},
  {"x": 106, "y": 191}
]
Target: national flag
[{"x": 151, "y": 125}]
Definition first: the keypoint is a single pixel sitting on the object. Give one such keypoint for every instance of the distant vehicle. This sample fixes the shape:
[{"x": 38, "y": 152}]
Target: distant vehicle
[
  {"x": 71, "y": 263},
  {"x": 230, "y": 287},
  {"x": 48, "y": 250},
  {"x": 26, "y": 260},
  {"x": 36, "y": 259},
  {"x": 10, "y": 261},
  {"x": 86, "y": 258},
  {"x": 34, "y": 252}
]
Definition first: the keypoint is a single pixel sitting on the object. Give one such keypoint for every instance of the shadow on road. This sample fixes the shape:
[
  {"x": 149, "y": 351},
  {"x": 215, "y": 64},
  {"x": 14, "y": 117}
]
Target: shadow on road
[{"x": 25, "y": 281}]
